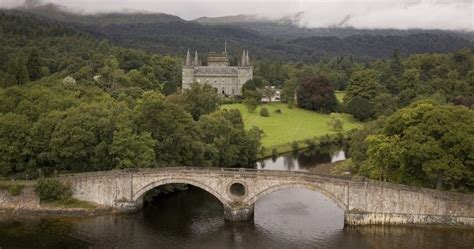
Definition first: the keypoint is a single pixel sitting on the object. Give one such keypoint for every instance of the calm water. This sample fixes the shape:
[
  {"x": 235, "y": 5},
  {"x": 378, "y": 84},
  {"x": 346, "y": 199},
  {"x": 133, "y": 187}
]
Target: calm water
[
  {"x": 301, "y": 161},
  {"x": 291, "y": 218}
]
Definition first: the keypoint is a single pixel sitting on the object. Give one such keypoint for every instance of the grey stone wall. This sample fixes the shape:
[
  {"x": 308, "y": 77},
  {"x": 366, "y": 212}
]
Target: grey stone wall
[
  {"x": 27, "y": 199},
  {"x": 230, "y": 82}
]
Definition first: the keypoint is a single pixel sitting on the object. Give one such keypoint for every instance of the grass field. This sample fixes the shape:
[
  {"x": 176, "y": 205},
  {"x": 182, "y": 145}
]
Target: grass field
[
  {"x": 340, "y": 96},
  {"x": 291, "y": 125}
]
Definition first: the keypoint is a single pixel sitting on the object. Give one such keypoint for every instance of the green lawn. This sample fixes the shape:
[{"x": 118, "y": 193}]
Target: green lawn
[
  {"x": 291, "y": 125},
  {"x": 340, "y": 96}
]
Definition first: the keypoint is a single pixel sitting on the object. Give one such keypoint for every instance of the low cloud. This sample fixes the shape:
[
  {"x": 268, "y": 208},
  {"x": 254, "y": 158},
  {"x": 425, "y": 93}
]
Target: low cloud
[{"x": 398, "y": 14}]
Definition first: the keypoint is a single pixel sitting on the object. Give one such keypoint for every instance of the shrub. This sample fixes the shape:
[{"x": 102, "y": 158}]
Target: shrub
[
  {"x": 361, "y": 108},
  {"x": 274, "y": 152},
  {"x": 335, "y": 122},
  {"x": 311, "y": 143},
  {"x": 50, "y": 189},
  {"x": 264, "y": 112},
  {"x": 15, "y": 189},
  {"x": 295, "y": 146},
  {"x": 278, "y": 111}
]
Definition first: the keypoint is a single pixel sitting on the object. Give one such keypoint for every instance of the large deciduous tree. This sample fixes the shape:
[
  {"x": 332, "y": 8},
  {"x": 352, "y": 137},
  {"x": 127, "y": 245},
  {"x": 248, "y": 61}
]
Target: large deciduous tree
[
  {"x": 15, "y": 139},
  {"x": 426, "y": 144},
  {"x": 316, "y": 93},
  {"x": 200, "y": 100},
  {"x": 131, "y": 150}
]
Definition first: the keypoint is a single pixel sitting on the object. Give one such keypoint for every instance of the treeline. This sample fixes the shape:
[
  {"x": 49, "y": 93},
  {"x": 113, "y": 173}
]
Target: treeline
[
  {"x": 83, "y": 128},
  {"x": 172, "y": 35},
  {"x": 33, "y": 48},
  {"x": 380, "y": 87}
]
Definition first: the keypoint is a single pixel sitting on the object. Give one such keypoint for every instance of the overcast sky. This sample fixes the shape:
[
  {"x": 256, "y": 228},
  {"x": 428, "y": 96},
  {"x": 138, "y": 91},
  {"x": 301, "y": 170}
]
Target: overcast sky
[{"x": 401, "y": 14}]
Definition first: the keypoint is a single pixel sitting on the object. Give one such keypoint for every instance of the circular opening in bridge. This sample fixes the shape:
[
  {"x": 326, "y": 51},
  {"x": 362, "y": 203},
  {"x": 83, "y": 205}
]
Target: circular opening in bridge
[{"x": 237, "y": 189}]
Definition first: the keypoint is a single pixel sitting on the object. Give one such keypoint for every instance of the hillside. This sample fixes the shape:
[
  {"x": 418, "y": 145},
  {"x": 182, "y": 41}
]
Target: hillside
[
  {"x": 266, "y": 39},
  {"x": 62, "y": 13},
  {"x": 289, "y": 27}
]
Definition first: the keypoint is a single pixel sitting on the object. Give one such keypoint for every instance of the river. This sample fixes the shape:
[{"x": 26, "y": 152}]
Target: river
[{"x": 292, "y": 218}]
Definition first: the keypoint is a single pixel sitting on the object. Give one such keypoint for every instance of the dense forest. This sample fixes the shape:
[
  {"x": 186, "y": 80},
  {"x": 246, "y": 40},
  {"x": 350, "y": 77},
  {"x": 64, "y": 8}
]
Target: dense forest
[{"x": 167, "y": 34}]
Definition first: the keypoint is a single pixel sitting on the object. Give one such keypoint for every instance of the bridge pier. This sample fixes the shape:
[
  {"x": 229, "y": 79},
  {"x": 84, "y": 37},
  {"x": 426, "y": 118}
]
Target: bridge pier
[
  {"x": 128, "y": 206},
  {"x": 238, "y": 213}
]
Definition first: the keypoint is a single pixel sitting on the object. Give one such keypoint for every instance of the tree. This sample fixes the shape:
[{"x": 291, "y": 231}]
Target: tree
[
  {"x": 396, "y": 66},
  {"x": 288, "y": 91},
  {"x": 34, "y": 65},
  {"x": 81, "y": 140},
  {"x": 316, "y": 93},
  {"x": 252, "y": 100},
  {"x": 230, "y": 144},
  {"x": 15, "y": 138},
  {"x": 425, "y": 144},
  {"x": 130, "y": 150},
  {"x": 111, "y": 73},
  {"x": 17, "y": 71},
  {"x": 363, "y": 83},
  {"x": 200, "y": 100},
  {"x": 253, "y": 85},
  {"x": 335, "y": 122},
  {"x": 269, "y": 93},
  {"x": 384, "y": 104},
  {"x": 360, "y": 107},
  {"x": 169, "y": 88},
  {"x": 138, "y": 80}
]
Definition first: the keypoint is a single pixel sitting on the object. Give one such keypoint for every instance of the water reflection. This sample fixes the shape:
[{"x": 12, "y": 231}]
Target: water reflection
[
  {"x": 291, "y": 218},
  {"x": 301, "y": 161}
]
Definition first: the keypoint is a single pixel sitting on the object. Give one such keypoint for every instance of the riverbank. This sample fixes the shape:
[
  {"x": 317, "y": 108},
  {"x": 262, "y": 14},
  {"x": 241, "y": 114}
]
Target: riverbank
[
  {"x": 26, "y": 202},
  {"x": 325, "y": 141}
]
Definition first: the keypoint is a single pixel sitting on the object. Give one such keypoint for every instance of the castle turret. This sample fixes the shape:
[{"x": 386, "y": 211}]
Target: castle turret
[
  {"x": 247, "y": 59},
  {"x": 196, "y": 59},
  {"x": 189, "y": 59},
  {"x": 243, "y": 60}
]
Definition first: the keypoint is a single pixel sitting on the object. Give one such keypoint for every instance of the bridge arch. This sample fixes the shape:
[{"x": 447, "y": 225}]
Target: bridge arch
[
  {"x": 257, "y": 196},
  {"x": 141, "y": 192}
]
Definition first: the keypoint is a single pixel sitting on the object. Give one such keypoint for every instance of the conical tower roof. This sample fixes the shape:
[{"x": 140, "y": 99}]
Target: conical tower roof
[
  {"x": 242, "y": 60},
  {"x": 196, "y": 59},
  {"x": 189, "y": 59},
  {"x": 247, "y": 59}
]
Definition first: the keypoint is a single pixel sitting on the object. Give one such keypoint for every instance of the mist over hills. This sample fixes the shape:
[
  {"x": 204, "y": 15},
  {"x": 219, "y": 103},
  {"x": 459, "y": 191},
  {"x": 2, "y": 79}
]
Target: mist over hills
[
  {"x": 265, "y": 38},
  {"x": 290, "y": 27}
]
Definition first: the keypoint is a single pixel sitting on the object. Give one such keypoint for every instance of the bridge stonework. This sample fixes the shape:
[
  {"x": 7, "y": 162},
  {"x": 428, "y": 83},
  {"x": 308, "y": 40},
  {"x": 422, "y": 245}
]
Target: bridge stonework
[{"x": 363, "y": 201}]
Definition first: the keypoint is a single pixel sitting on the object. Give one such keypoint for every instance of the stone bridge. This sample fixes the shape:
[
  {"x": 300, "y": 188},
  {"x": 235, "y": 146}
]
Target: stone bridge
[{"x": 363, "y": 201}]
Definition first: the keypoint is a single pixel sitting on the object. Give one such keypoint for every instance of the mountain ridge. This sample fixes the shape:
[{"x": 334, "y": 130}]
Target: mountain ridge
[{"x": 169, "y": 34}]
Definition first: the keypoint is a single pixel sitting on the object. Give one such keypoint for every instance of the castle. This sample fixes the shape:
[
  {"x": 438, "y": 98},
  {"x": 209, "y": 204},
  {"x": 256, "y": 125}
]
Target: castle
[{"x": 227, "y": 80}]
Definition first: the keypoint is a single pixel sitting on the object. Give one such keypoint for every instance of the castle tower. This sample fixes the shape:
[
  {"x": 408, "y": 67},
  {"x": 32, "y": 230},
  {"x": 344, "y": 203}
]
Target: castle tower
[
  {"x": 189, "y": 59},
  {"x": 196, "y": 59},
  {"x": 188, "y": 71},
  {"x": 243, "y": 60},
  {"x": 245, "y": 71},
  {"x": 247, "y": 59}
]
